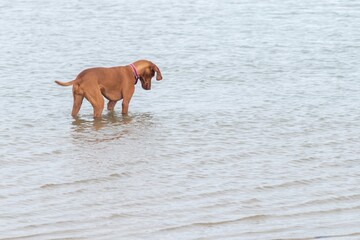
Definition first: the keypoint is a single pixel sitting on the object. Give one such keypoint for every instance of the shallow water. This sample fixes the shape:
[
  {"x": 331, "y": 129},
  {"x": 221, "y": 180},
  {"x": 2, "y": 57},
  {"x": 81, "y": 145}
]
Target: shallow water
[{"x": 253, "y": 133}]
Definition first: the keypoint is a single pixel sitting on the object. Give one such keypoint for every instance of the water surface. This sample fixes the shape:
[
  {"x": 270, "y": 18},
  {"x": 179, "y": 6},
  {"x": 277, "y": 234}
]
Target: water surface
[{"x": 253, "y": 133}]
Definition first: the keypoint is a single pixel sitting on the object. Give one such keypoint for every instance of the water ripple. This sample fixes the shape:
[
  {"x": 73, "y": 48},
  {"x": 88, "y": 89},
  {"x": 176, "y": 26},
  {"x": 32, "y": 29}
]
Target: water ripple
[{"x": 253, "y": 132}]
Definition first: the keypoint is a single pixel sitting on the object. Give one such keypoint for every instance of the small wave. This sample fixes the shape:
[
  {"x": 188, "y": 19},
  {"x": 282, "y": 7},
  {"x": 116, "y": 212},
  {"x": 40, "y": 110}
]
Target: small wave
[
  {"x": 252, "y": 218},
  {"x": 288, "y": 184},
  {"x": 83, "y": 181},
  {"x": 331, "y": 199},
  {"x": 346, "y": 236}
]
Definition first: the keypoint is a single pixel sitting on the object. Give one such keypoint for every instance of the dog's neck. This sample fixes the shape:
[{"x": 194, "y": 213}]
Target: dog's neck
[{"x": 136, "y": 75}]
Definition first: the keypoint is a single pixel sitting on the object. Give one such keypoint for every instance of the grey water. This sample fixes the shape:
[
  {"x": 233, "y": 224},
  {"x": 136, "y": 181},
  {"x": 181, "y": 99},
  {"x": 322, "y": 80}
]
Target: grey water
[{"x": 253, "y": 133}]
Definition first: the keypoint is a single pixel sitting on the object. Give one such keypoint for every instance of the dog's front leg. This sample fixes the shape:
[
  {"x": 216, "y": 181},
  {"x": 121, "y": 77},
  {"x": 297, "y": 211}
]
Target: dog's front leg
[
  {"x": 126, "y": 100},
  {"x": 125, "y": 106}
]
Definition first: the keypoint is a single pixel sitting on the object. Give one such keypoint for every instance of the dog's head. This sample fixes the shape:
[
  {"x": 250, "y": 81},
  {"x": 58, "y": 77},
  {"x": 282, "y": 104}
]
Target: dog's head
[{"x": 147, "y": 73}]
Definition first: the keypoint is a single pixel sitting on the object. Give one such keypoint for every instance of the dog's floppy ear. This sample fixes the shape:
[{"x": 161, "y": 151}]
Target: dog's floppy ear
[{"x": 157, "y": 70}]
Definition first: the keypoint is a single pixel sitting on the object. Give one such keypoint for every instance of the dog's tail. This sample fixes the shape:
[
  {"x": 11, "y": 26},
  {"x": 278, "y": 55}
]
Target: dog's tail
[{"x": 65, "y": 83}]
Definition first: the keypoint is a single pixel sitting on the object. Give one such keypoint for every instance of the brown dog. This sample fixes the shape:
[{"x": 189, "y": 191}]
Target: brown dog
[{"x": 113, "y": 83}]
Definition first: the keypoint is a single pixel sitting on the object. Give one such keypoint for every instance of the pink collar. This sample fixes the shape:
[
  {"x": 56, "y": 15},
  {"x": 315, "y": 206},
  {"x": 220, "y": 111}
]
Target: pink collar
[{"x": 137, "y": 77}]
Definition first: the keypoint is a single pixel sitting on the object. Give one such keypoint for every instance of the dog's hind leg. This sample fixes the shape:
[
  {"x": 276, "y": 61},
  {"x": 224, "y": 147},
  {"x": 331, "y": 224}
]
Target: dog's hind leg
[
  {"x": 96, "y": 99},
  {"x": 78, "y": 99},
  {"x": 78, "y": 95}
]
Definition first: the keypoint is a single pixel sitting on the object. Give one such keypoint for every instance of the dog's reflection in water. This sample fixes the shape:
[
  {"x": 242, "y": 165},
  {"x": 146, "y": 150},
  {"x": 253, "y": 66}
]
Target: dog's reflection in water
[
  {"x": 109, "y": 127},
  {"x": 86, "y": 122}
]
